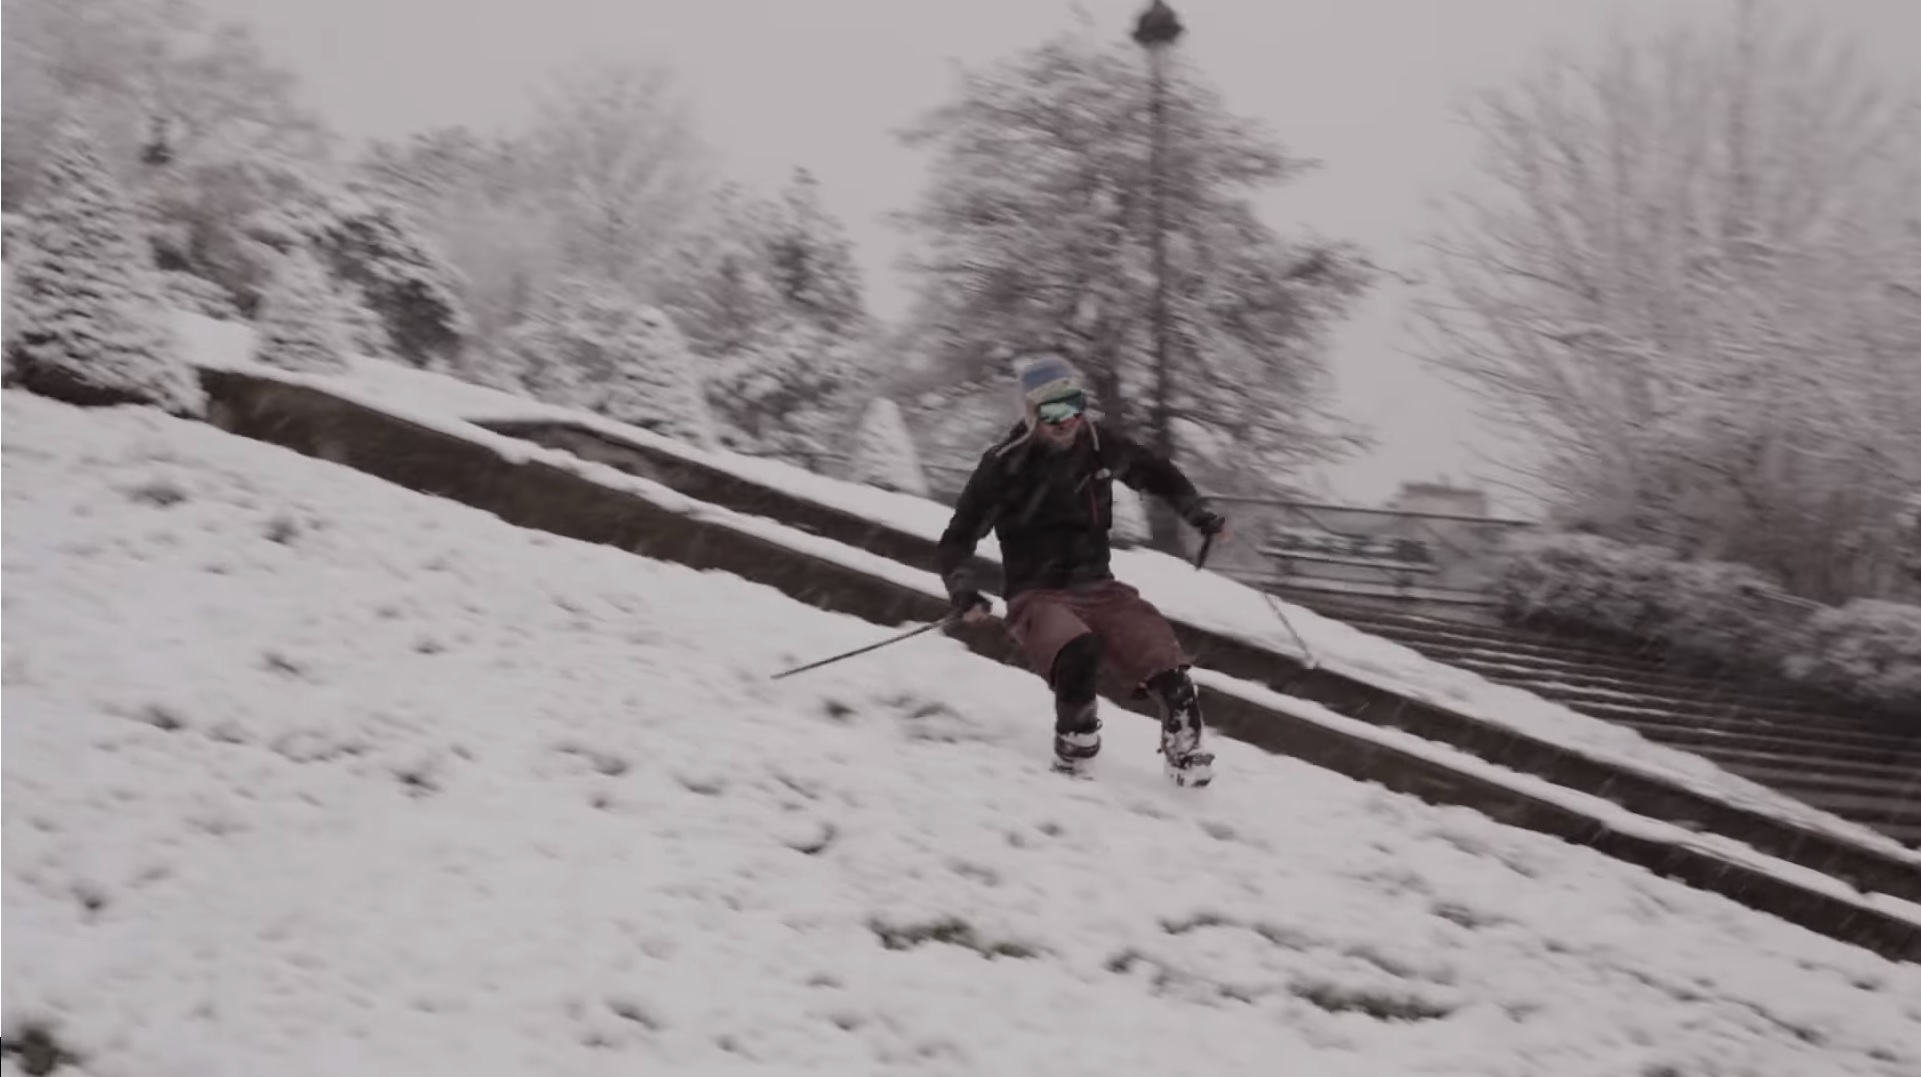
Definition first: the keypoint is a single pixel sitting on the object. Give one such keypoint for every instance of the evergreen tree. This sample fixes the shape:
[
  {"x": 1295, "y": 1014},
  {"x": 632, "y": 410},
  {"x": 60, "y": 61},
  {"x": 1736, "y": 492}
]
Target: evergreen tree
[
  {"x": 812, "y": 262},
  {"x": 362, "y": 330},
  {"x": 298, "y": 327},
  {"x": 771, "y": 297},
  {"x": 782, "y": 396},
  {"x": 720, "y": 287},
  {"x": 480, "y": 200},
  {"x": 212, "y": 212},
  {"x": 884, "y": 454},
  {"x": 384, "y": 262},
  {"x": 86, "y": 296},
  {"x": 374, "y": 244},
  {"x": 656, "y": 384},
  {"x": 593, "y": 346}
]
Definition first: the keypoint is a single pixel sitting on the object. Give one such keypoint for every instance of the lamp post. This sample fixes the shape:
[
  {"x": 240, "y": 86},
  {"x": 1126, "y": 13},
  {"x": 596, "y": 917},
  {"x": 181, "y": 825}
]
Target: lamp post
[{"x": 1157, "y": 29}]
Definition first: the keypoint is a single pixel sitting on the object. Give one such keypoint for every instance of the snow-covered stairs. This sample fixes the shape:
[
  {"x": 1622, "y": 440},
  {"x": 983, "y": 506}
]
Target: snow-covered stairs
[
  {"x": 1816, "y": 876},
  {"x": 1644, "y": 794},
  {"x": 1860, "y": 766}
]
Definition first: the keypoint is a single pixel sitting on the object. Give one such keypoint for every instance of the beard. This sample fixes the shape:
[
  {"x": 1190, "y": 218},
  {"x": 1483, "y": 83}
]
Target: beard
[{"x": 1061, "y": 437}]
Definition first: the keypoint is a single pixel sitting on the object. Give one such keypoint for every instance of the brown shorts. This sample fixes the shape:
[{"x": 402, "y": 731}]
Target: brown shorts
[{"x": 1134, "y": 637}]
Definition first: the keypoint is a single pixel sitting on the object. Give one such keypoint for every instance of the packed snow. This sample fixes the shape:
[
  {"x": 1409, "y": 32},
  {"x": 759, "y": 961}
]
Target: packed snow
[
  {"x": 305, "y": 773},
  {"x": 1204, "y": 599}
]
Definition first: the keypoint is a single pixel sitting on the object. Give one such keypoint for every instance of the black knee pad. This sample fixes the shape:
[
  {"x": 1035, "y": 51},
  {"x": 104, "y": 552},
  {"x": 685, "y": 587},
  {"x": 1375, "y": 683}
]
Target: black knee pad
[{"x": 1077, "y": 669}]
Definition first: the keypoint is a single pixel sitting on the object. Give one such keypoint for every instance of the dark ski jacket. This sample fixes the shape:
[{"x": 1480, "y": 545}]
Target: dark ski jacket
[{"x": 1051, "y": 508}]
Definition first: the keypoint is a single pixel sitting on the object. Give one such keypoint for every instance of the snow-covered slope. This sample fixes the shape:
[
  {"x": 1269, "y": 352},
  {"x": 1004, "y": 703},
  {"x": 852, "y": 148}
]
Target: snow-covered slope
[
  {"x": 308, "y": 774},
  {"x": 1204, "y": 599}
]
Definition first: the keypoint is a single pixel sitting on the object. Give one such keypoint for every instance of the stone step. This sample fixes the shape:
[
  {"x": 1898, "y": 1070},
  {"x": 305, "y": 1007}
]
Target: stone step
[
  {"x": 1905, "y": 833},
  {"x": 1666, "y": 684},
  {"x": 1733, "y": 758},
  {"x": 1815, "y": 737},
  {"x": 1620, "y": 695},
  {"x": 1519, "y": 647},
  {"x": 1441, "y": 637},
  {"x": 1501, "y": 665},
  {"x": 1890, "y": 783},
  {"x": 1648, "y": 657},
  {"x": 1563, "y": 683},
  {"x": 1699, "y": 738},
  {"x": 1729, "y": 719},
  {"x": 1821, "y": 751},
  {"x": 1862, "y": 807}
]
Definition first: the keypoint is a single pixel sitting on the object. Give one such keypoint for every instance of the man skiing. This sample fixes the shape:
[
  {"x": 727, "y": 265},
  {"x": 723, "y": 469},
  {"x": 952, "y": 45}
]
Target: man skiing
[{"x": 1047, "y": 490}]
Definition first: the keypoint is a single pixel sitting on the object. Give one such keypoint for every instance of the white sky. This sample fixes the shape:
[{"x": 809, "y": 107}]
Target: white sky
[{"x": 1365, "y": 86}]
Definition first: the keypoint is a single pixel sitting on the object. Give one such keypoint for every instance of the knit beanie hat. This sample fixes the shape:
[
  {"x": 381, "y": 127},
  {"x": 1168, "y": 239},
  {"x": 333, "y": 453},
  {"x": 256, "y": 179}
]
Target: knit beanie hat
[{"x": 1047, "y": 378}]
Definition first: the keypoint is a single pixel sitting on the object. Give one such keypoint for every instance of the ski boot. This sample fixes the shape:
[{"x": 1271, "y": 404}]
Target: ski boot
[
  {"x": 1077, "y": 737},
  {"x": 1183, "y": 758},
  {"x": 1077, "y": 727}
]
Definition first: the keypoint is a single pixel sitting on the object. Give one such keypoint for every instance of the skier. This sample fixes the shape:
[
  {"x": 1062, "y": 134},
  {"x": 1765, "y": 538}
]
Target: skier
[{"x": 1047, "y": 491}]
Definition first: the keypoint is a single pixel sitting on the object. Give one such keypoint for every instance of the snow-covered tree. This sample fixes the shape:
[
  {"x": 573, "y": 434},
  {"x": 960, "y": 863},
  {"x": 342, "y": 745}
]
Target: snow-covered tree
[
  {"x": 85, "y": 295},
  {"x": 476, "y": 198},
  {"x": 1035, "y": 232},
  {"x": 658, "y": 385},
  {"x": 614, "y": 149},
  {"x": 602, "y": 182},
  {"x": 952, "y": 422},
  {"x": 1692, "y": 285},
  {"x": 397, "y": 272},
  {"x": 362, "y": 330},
  {"x": 594, "y": 346},
  {"x": 196, "y": 295},
  {"x": 770, "y": 295},
  {"x": 1906, "y": 543},
  {"x": 297, "y": 327},
  {"x": 209, "y": 212},
  {"x": 200, "y": 128},
  {"x": 720, "y": 285},
  {"x": 165, "y": 80},
  {"x": 884, "y": 454},
  {"x": 784, "y": 395},
  {"x": 812, "y": 262}
]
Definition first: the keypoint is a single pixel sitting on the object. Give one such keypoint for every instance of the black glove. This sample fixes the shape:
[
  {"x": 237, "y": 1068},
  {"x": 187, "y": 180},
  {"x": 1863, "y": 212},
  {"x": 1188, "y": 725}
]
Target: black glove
[
  {"x": 963, "y": 592},
  {"x": 966, "y": 601},
  {"x": 1207, "y": 522}
]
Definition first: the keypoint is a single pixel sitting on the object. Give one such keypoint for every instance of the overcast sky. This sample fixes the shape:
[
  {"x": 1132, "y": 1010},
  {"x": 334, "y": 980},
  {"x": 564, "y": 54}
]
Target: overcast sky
[{"x": 1364, "y": 86}]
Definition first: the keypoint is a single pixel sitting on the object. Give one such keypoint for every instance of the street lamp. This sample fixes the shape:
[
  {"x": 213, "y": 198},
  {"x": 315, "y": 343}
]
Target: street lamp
[
  {"x": 1157, "y": 29},
  {"x": 1157, "y": 26}
]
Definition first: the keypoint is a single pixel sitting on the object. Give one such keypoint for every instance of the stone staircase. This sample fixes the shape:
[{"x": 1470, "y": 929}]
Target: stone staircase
[
  {"x": 710, "y": 518},
  {"x": 1860, "y": 766}
]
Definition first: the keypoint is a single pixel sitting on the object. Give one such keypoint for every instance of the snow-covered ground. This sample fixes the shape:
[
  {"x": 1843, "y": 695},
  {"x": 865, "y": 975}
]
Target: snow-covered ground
[
  {"x": 430, "y": 400},
  {"x": 308, "y": 774},
  {"x": 1205, "y": 599}
]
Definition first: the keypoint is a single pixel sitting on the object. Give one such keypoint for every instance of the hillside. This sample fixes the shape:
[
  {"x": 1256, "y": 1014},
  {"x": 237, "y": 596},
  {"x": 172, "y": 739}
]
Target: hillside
[{"x": 308, "y": 774}]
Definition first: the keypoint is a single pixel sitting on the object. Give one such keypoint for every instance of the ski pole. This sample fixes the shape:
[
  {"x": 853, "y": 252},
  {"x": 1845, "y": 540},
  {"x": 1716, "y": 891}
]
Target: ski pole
[
  {"x": 909, "y": 634},
  {"x": 1200, "y": 561},
  {"x": 1306, "y": 652}
]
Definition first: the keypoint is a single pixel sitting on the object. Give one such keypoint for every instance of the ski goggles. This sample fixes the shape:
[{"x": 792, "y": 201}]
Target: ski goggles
[{"x": 1061, "y": 408}]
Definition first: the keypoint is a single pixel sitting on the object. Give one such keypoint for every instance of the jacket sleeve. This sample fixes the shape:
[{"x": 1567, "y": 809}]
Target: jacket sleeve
[
  {"x": 1144, "y": 470},
  {"x": 973, "y": 517}
]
